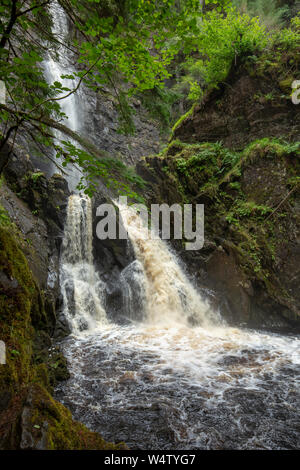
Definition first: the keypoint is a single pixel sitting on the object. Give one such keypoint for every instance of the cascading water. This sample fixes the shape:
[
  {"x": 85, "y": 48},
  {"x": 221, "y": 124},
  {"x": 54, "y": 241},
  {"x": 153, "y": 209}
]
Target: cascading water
[
  {"x": 54, "y": 70},
  {"x": 174, "y": 376},
  {"x": 81, "y": 287},
  {"x": 158, "y": 383},
  {"x": 171, "y": 298}
]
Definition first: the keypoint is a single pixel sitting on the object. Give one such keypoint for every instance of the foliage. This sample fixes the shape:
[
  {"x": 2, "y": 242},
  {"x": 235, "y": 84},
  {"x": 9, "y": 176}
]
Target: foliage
[
  {"x": 272, "y": 14},
  {"x": 115, "y": 173},
  {"x": 125, "y": 47},
  {"x": 230, "y": 37},
  {"x": 159, "y": 103},
  {"x": 4, "y": 218},
  {"x": 224, "y": 41}
]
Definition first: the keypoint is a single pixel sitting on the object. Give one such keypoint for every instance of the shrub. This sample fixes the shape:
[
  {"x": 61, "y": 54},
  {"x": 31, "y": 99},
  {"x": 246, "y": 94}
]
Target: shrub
[{"x": 225, "y": 39}]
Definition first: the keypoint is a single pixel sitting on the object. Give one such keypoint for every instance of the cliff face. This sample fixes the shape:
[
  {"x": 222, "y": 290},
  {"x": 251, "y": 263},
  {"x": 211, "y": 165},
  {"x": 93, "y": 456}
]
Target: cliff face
[
  {"x": 29, "y": 417},
  {"x": 254, "y": 103},
  {"x": 32, "y": 214},
  {"x": 238, "y": 154}
]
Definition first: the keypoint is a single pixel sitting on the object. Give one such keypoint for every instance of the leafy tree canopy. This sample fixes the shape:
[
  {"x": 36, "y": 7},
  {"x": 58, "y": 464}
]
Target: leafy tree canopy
[{"x": 126, "y": 45}]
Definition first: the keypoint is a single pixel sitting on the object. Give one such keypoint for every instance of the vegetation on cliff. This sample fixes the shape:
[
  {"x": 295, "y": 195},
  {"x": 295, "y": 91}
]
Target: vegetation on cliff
[
  {"x": 29, "y": 417},
  {"x": 251, "y": 199},
  {"x": 236, "y": 150},
  {"x": 119, "y": 47}
]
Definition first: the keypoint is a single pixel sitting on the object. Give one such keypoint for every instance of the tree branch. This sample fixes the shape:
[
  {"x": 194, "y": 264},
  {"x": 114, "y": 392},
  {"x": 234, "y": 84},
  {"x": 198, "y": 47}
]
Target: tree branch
[
  {"x": 22, "y": 13},
  {"x": 89, "y": 146},
  {"x": 283, "y": 200},
  {"x": 9, "y": 27}
]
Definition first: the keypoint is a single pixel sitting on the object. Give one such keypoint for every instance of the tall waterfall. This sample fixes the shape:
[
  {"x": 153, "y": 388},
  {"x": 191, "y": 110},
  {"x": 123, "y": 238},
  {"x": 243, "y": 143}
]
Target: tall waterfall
[
  {"x": 54, "y": 69},
  {"x": 173, "y": 376},
  {"x": 81, "y": 288}
]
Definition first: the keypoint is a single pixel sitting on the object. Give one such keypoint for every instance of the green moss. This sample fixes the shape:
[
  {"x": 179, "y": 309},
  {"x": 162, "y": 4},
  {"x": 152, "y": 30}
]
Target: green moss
[
  {"x": 268, "y": 148},
  {"x": 4, "y": 218},
  {"x": 183, "y": 117},
  {"x": 16, "y": 302},
  {"x": 62, "y": 433},
  {"x": 211, "y": 174},
  {"x": 25, "y": 377}
]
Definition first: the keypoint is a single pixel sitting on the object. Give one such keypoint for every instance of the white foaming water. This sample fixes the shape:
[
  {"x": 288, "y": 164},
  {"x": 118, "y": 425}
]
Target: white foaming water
[
  {"x": 159, "y": 383},
  {"x": 171, "y": 298},
  {"x": 158, "y": 387},
  {"x": 81, "y": 287},
  {"x": 54, "y": 69}
]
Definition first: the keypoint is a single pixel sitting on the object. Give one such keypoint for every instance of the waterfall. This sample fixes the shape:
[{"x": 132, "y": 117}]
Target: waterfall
[
  {"x": 54, "y": 69},
  {"x": 171, "y": 298},
  {"x": 81, "y": 288},
  {"x": 156, "y": 382},
  {"x": 154, "y": 286},
  {"x": 174, "y": 376}
]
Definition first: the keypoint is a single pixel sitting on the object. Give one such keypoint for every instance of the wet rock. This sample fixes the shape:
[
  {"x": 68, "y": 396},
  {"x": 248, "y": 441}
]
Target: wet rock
[
  {"x": 37, "y": 206},
  {"x": 233, "y": 115},
  {"x": 8, "y": 286},
  {"x": 229, "y": 280},
  {"x": 102, "y": 118},
  {"x": 115, "y": 262},
  {"x": 249, "y": 268}
]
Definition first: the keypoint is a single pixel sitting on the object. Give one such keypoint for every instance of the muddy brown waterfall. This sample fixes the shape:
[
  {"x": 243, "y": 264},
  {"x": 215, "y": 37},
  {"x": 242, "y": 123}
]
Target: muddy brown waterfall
[
  {"x": 159, "y": 382},
  {"x": 171, "y": 374}
]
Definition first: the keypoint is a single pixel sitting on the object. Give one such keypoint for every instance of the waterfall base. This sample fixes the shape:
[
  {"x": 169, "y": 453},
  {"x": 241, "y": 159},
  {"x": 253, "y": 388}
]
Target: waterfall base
[{"x": 183, "y": 388}]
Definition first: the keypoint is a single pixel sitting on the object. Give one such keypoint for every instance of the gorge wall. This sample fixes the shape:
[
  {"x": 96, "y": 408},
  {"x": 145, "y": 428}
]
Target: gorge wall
[
  {"x": 249, "y": 266},
  {"x": 238, "y": 154}
]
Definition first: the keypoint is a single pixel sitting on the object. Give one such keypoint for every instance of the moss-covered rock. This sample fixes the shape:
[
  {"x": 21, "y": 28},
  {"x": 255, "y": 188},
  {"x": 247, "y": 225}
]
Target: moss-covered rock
[
  {"x": 251, "y": 255},
  {"x": 253, "y": 102},
  {"x": 29, "y": 417}
]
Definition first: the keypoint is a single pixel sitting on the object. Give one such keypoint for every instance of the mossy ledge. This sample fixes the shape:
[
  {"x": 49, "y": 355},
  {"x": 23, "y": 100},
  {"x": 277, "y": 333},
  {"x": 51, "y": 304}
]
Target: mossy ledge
[
  {"x": 251, "y": 198},
  {"x": 29, "y": 417}
]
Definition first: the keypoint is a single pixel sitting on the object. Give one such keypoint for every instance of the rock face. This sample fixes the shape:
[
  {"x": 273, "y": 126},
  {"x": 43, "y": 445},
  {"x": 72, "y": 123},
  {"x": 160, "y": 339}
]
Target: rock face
[
  {"x": 251, "y": 254},
  {"x": 38, "y": 208},
  {"x": 30, "y": 237},
  {"x": 253, "y": 104},
  {"x": 35, "y": 206},
  {"x": 238, "y": 153},
  {"x": 115, "y": 262},
  {"x": 100, "y": 124}
]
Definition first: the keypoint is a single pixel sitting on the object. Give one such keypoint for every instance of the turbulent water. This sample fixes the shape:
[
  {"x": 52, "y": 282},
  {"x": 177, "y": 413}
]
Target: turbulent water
[
  {"x": 175, "y": 376},
  {"x": 81, "y": 287},
  {"x": 178, "y": 378}
]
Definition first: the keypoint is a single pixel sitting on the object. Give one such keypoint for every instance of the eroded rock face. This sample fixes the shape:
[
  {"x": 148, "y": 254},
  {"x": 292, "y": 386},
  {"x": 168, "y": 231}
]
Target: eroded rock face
[
  {"x": 100, "y": 124},
  {"x": 29, "y": 253},
  {"x": 37, "y": 206},
  {"x": 250, "y": 259},
  {"x": 112, "y": 259},
  {"x": 248, "y": 108}
]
